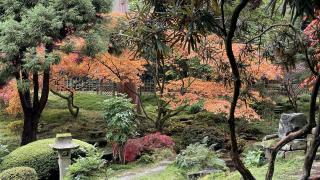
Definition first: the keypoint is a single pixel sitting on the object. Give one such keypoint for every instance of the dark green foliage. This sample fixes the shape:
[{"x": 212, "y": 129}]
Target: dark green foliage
[
  {"x": 196, "y": 107},
  {"x": 195, "y": 133},
  {"x": 120, "y": 118},
  {"x": 87, "y": 168},
  {"x": 254, "y": 158},
  {"x": 199, "y": 126},
  {"x": 39, "y": 156},
  {"x": 199, "y": 157},
  {"x": 297, "y": 7},
  {"x": 19, "y": 173},
  {"x": 146, "y": 159},
  {"x": 183, "y": 68}
]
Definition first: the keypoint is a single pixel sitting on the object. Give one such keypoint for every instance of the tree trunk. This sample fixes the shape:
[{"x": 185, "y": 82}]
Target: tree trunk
[
  {"x": 246, "y": 174},
  {"x": 314, "y": 145},
  {"x": 30, "y": 127},
  {"x": 70, "y": 102}
]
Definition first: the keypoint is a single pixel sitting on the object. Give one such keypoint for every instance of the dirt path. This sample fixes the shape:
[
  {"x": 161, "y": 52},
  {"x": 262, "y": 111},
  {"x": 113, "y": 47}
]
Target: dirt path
[{"x": 135, "y": 174}]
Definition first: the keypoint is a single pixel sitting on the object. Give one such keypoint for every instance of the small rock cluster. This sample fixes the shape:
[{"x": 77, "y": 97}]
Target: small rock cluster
[{"x": 288, "y": 123}]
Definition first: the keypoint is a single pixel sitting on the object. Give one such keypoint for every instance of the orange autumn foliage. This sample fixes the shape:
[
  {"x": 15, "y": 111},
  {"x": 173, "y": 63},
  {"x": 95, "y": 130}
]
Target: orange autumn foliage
[
  {"x": 9, "y": 94},
  {"x": 121, "y": 68},
  {"x": 217, "y": 93}
]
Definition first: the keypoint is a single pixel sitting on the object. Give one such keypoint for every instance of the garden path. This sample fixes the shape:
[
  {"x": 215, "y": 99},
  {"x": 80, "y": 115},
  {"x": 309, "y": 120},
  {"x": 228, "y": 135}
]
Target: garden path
[{"x": 135, "y": 174}]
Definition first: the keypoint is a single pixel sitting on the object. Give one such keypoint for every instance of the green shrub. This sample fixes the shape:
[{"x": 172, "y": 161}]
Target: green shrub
[
  {"x": 19, "y": 173},
  {"x": 195, "y": 133},
  {"x": 161, "y": 154},
  {"x": 147, "y": 159},
  {"x": 87, "y": 168},
  {"x": 196, "y": 107},
  {"x": 120, "y": 118},
  {"x": 198, "y": 157},
  {"x": 254, "y": 158},
  {"x": 40, "y": 156}
]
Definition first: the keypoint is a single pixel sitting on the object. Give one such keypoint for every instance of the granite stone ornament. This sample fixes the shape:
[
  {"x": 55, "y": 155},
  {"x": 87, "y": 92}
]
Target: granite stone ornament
[{"x": 64, "y": 145}]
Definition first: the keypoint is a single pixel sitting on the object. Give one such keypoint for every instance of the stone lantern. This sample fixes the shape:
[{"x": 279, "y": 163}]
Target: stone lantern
[{"x": 64, "y": 145}]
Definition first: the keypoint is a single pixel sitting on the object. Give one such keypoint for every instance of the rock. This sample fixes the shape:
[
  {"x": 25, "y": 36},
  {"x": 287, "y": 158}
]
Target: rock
[
  {"x": 197, "y": 175},
  {"x": 298, "y": 144},
  {"x": 291, "y": 122},
  {"x": 290, "y": 154},
  {"x": 281, "y": 154},
  {"x": 286, "y": 147},
  {"x": 271, "y": 136}
]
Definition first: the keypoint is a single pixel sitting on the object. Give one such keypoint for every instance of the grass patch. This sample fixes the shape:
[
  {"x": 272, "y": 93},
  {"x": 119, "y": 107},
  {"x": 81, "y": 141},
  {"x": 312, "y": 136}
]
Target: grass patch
[
  {"x": 285, "y": 169},
  {"x": 6, "y": 136},
  {"x": 88, "y": 101}
]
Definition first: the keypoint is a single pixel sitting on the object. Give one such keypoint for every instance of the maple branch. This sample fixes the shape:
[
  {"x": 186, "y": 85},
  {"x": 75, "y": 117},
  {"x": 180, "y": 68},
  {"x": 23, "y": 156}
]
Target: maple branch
[{"x": 117, "y": 73}]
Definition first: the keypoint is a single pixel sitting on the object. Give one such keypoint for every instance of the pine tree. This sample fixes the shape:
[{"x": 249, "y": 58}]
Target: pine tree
[{"x": 27, "y": 26}]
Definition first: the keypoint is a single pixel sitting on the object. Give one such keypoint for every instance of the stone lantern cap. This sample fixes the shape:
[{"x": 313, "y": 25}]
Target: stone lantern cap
[{"x": 64, "y": 142}]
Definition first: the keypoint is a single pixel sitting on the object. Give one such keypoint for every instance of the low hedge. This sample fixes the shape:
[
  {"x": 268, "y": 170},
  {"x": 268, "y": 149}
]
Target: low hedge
[
  {"x": 40, "y": 156},
  {"x": 19, "y": 173}
]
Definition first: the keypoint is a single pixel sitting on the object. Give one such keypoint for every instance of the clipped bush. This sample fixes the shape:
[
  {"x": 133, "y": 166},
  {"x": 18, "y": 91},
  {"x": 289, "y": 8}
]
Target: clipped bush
[
  {"x": 19, "y": 173},
  {"x": 88, "y": 167},
  {"x": 198, "y": 157},
  {"x": 40, "y": 156}
]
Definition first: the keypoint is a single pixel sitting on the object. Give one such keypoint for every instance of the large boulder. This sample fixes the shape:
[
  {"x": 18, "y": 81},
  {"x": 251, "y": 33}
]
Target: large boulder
[{"x": 291, "y": 122}]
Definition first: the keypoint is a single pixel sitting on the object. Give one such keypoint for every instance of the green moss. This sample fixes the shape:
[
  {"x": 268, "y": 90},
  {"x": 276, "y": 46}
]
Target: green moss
[
  {"x": 19, "y": 173},
  {"x": 40, "y": 156}
]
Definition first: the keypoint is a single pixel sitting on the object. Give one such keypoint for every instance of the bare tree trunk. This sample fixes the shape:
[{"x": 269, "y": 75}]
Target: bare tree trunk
[
  {"x": 246, "y": 174},
  {"x": 294, "y": 135},
  {"x": 70, "y": 101}
]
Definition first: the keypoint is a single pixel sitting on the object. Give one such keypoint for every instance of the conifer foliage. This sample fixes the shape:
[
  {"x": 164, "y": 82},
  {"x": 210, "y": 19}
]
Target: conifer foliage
[{"x": 27, "y": 25}]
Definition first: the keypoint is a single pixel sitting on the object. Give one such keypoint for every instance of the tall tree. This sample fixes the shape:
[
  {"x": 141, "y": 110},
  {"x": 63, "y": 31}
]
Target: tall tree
[{"x": 28, "y": 25}]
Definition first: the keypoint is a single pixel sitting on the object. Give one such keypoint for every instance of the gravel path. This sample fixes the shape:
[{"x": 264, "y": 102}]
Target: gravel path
[{"x": 133, "y": 175}]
